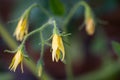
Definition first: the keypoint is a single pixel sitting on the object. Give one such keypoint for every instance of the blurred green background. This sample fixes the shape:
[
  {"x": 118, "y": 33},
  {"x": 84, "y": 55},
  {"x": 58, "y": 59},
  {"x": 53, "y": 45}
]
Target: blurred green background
[{"x": 92, "y": 57}]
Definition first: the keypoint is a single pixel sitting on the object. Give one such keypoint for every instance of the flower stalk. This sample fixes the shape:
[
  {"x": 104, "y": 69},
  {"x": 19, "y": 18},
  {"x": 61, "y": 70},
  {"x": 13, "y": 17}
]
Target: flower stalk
[
  {"x": 88, "y": 14},
  {"x": 22, "y": 27}
]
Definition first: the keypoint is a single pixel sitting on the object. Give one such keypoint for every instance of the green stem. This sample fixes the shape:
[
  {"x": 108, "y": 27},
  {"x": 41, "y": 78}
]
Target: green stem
[
  {"x": 55, "y": 30},
  {"x": 28, "y": 10},
  {"x": 42, "y": 45},
  {"x": 72, "y": 11},
  {"x": 41, "y": 56},
  {"x": 32, "y": 6},
  {"x": 34, "y": 31},
  {"x": 39, "y": 6}
]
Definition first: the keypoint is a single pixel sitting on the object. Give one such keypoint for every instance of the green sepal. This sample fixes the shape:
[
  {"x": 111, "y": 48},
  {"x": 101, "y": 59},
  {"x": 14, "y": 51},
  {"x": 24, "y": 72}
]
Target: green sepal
[{"x": 24, "y": 52}]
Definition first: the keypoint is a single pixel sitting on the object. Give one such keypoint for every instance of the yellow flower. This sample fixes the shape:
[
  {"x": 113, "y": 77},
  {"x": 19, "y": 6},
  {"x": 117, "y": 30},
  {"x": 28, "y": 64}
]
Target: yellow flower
[
  {"x": 57, "y": 46},
  {"x": 17, "y": 59},
  {"x": 90, "y": 26},
  {"x": 22, "y": 28}
]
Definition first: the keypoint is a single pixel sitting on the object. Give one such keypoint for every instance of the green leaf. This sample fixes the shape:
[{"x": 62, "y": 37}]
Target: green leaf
[
  {"x": 57, "y": 7},
  {"x": 116, "y": 47}
]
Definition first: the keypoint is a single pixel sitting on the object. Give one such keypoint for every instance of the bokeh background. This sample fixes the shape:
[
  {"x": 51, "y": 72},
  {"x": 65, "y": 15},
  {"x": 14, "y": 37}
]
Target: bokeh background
[{"x": 92, "y": 57}]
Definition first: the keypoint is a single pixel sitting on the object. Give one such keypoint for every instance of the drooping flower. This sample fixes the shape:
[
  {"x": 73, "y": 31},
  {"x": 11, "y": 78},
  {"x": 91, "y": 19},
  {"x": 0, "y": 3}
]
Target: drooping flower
[
  {"x": 22, "y": 28},
  {"x": 57, "y": 47},
  {"x": 90, "y": 26},
  {"x": 17, "y": 59}
]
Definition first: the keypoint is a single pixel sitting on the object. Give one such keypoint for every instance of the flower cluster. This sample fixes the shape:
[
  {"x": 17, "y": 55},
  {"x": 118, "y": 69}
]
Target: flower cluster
[{"x": 58, "y": 49}]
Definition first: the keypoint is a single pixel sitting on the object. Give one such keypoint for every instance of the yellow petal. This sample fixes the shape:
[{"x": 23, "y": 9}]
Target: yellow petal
[
  {"x": 22, "y": 28},
  {"x": 17, "y": 59},
  {"x": 61, "y": 47},
  {"x": 57, "y": 56}
]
